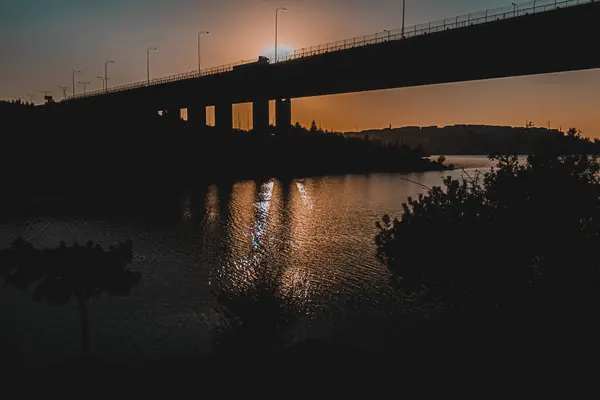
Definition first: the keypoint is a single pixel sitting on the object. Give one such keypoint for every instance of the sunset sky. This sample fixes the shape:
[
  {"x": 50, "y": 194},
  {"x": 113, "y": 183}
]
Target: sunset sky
[{"x": 43, "y": 41}]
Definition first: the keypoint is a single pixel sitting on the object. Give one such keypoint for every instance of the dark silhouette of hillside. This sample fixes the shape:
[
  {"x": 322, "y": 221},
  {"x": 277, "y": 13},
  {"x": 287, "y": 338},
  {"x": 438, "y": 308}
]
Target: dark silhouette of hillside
[
  {"x": 58, "y": 153},
  {"x": 473, "y": 139}
]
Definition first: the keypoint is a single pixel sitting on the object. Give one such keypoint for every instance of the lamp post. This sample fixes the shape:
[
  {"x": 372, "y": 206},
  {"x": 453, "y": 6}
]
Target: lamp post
[
  {"x": 388, "y": 34},
  {"x": 199, "y": 50},
  {"x": 148, "y": 61},
  {"x": 75, "y": 72},
  {"x": 85, "y": 85},
  {"x": 105, "y": 87},
  {"x": 276, "y": 27},
  {"x": 403, "y": 15},
  {"x": 64, "y": 89}
]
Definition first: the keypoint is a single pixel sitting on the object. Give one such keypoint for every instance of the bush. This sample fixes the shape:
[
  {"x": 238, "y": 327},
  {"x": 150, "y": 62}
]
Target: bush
[
  {"x": 257, "y": 317},
  {"x": 503, "y": 238}
]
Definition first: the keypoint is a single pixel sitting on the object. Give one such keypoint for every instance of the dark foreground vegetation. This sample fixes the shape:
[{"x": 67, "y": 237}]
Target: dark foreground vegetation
[
  {"x": 505, "y": 262},
  {"x": 78, "y": 271},
  {"x": 48, "y": 152},
  {"x": 517, "y": 254}
]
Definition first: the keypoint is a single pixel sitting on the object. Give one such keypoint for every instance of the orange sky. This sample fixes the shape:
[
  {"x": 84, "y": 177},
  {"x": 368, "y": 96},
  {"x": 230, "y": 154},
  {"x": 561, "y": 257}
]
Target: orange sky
[{"x": 561, "y": 100}]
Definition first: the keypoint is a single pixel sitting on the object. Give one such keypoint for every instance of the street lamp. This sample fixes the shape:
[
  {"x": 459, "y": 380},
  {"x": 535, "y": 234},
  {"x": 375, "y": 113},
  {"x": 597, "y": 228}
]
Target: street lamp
[
  {"x": 75, "y": 72},
  {"x": 276, "y": 25},
  {"x": 148, "y": 61},
  {"x": 85, "y": 85},
  {"x": 388, "y": 34},
  {"x": 199, "y": 51},
  {"x": 106, "y": 73},
  {"x": 403, "y": 15},
  {"x": 64, "y": 89}
]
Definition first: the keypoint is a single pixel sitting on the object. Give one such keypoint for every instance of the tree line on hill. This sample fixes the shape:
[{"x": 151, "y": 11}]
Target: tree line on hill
[{"x": 476, "y": 139}]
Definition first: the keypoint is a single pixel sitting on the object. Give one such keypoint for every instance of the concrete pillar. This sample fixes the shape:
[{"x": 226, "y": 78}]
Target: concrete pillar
[
  {"x": 283, "y": 112},
  {"x": 260, "y": 115},
  {"x": 197, "y": 115},
  {"x": 224, "y": 116}
]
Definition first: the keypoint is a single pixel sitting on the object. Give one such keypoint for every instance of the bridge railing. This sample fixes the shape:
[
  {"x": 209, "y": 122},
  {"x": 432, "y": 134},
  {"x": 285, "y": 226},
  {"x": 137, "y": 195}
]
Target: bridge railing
[
  {"x": 461, "y": 21},
  {"x": 482, "y": 17},
  {"x": 166, "y": 79}
]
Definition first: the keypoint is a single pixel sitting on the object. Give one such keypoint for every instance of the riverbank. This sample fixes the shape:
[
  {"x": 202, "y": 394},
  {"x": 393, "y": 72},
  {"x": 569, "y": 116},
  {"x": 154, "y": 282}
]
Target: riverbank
[{"x": 174, "y": 156}]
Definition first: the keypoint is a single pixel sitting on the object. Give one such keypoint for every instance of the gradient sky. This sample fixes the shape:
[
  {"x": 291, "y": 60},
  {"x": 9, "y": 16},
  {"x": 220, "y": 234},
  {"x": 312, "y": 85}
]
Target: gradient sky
[{"x": 42, "y": 41}]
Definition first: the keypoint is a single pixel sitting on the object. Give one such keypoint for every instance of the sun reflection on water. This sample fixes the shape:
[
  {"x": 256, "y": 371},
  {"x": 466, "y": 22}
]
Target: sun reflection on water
[
  {"x": 268, "y": 226},
  {"x": 187, "y": 208},
  {"x": 212, "y": 204},
  {"x": 304, "y": 195},
  {"x": 245, "y": 268}
]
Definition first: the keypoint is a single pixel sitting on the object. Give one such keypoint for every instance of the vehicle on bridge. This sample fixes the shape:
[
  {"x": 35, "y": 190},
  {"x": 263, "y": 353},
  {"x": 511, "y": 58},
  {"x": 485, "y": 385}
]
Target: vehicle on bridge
[{"x": 262, "y": 62}]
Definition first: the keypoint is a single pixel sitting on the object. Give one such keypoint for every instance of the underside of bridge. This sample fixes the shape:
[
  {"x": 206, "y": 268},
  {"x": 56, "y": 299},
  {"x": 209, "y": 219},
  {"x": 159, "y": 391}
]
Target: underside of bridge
[{"x": 547, "y": 42}]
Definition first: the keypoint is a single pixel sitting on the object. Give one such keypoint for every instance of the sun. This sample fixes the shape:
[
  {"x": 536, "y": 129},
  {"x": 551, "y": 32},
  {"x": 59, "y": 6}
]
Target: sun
[{"x": 282, "y": 52}]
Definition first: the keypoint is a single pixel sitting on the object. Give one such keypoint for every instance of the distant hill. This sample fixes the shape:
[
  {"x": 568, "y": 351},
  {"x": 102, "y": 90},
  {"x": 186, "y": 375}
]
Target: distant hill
[{"x": 463, "y": 139}]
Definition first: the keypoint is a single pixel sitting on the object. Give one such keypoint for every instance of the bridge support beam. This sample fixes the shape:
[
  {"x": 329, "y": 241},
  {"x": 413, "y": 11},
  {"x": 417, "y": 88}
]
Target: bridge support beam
[
  {"x": 283, "y": 113},
  {"x": 260, "y": 115},
  {"x": 224, "y": 116},
  {"x": 197, "y": 116}
]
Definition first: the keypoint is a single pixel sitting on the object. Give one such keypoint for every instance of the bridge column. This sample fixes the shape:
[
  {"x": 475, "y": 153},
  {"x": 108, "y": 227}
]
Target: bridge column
[
  {"x": 260, "y": 115},
  {"x": 283, "y": 112},
  {"x": 197, "y": 116},
  {"x": 224, "y": 116}
]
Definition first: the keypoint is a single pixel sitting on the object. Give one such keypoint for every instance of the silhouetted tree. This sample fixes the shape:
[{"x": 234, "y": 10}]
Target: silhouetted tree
[
  {"x": 313, "y": 127},
  {"x": 75, "y": 271},
  {"x": 520, "y": 233}
]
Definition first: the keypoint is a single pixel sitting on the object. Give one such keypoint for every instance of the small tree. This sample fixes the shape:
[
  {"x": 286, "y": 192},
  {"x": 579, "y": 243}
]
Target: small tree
[
  {"x": 65, "y": 272},
  {"x": 257, "y": 317},
  {"x": 313, "y": 127}
]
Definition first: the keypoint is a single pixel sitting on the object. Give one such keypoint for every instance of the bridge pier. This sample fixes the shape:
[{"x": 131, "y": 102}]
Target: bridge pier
[
  {"x": 283, "y": 112},
  {"x": 197, "y": 116},
  {"x": 260, "y": 115},
  {"x": 224, "y": 116}
]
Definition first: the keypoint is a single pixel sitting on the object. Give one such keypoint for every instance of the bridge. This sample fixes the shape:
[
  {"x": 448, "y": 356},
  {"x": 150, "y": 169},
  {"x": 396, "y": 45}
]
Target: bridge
[{"x": 544, "y": 37}]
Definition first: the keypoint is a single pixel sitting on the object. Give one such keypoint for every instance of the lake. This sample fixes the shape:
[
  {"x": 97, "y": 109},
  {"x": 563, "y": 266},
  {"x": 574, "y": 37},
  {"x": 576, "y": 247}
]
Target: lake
[{"x": 318, "y": 233}]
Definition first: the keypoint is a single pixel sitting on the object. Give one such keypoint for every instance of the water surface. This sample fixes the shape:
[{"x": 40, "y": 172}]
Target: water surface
[{"x": 317, "y": 233}]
